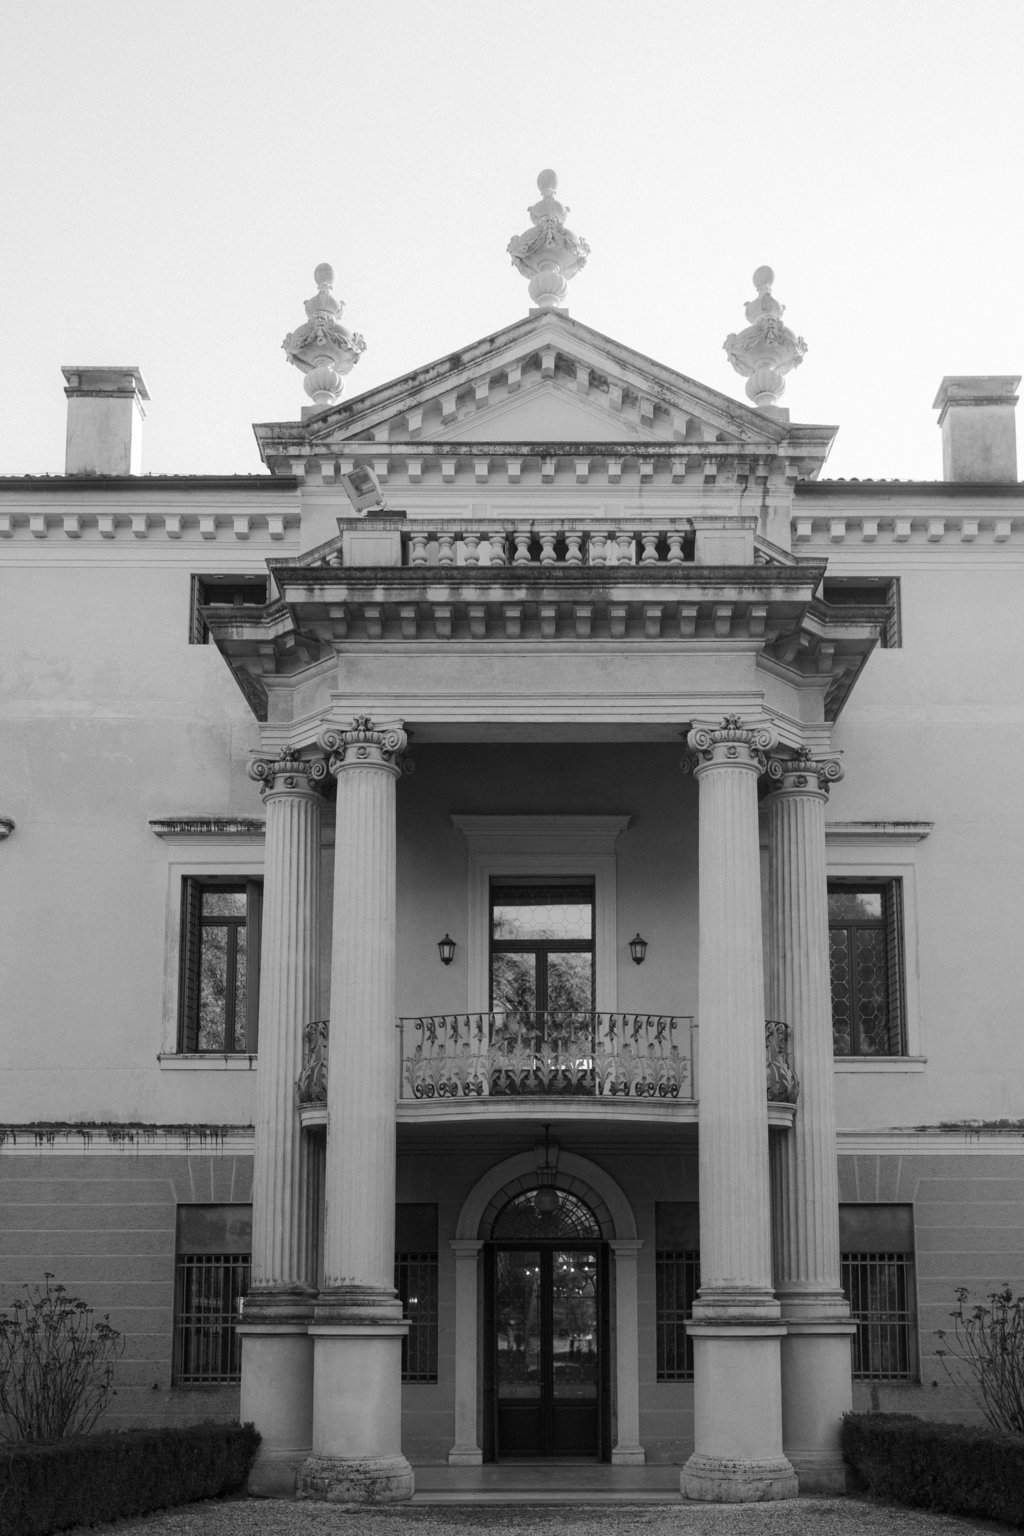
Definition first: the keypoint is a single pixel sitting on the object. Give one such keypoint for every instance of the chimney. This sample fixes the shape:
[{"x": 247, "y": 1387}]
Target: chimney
[
  {"x": 979, "y": 439},
  {"x": 105, "y": 416}
]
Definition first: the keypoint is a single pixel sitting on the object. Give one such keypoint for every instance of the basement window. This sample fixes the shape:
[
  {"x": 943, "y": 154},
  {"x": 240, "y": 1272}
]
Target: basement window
[{"x": 222, "y": 592}]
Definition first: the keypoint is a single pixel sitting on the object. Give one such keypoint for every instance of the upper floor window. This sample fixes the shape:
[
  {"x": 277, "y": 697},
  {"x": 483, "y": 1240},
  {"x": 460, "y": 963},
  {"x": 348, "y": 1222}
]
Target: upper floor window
[
  {"x": 865, "y": 920},
  {"x": 542, "y": 947},
  {"x": 871, "y": 592},
  {"x": 224, "y": 591},
  {"x": 219, "y": 988}
]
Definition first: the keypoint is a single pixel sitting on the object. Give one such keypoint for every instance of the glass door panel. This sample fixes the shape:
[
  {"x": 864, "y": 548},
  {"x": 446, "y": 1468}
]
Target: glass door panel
[
  {"x": 518, "y": 1317},
  {"x": 547, "y": 1351}
]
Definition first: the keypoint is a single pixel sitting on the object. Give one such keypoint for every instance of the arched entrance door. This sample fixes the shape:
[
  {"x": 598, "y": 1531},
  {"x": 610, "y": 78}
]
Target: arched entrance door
[{"x": 547, "y": 1323}]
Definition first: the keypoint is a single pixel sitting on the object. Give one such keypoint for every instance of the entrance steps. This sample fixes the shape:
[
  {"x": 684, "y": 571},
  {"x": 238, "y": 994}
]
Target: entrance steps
[{"x": 547, "y": 1482}]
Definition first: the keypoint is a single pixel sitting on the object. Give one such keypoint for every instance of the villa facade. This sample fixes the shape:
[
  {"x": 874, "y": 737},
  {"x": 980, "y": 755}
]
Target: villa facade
[{"x": 525, "y": 892}]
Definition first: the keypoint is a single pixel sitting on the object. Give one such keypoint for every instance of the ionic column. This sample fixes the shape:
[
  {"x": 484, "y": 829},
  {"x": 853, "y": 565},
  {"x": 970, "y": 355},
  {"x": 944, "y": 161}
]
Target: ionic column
[
  {"x": 358, "y": 1331},
  {"x": 627, "y": 1451},
  {"x": 816, "y": 1351},
  {"x": 466, "y": 1451},
  {"x": 736, "y": 1321},
  {"x": 277, "y": 1359}
]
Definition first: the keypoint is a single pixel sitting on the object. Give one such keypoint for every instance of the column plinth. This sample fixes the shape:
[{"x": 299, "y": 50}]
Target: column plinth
[
  {"x": 358, "y": 1331},
  {"x": 816, "y": 1374},
  {"x": 277, "y": 1361},
  {"x": 627, "y": 1451},
  {"x": 736, "y": 1325}
]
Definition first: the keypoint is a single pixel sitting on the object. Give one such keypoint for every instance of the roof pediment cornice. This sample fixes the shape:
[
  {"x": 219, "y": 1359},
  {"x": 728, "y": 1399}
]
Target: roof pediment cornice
[{"x": 595, "y": 391}]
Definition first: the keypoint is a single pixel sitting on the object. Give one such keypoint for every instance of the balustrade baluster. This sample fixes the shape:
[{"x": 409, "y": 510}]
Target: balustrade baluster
[
  {"x": 624, "y": 546},
  {"x": 573, "y": 552},
  {"x": 675, "y": 546},
  {"x": 497, "y": 542},
  {"x": 418, "y": 548},
  {"x": 446, "y": 549},
  {"x": 547, "y": 546},
  {"x": 599, "y": 547},
  {"x": 472, "y": 543},
  {"x": 522, "y": 542},
  {"x": 650, "y": 541}
]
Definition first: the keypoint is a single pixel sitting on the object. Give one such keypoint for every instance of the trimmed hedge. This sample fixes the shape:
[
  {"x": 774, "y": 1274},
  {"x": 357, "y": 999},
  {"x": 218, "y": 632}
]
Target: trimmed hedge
[
  {"x": 48, "y": 1487},
  {"x": 952, "y": 1467}
]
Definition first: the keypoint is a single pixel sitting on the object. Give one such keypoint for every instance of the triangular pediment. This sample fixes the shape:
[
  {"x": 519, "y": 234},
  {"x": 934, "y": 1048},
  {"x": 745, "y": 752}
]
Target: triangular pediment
[{"x": 545, "y": 379}]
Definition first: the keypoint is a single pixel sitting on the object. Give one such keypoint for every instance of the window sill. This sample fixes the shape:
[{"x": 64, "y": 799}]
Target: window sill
[
  {"x": 857, "y": 1064},
  {"x": 206, "y": 1061}
]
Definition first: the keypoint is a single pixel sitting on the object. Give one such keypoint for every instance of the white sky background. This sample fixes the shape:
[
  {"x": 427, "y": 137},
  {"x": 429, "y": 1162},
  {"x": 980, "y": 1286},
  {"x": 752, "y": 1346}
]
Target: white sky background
[{"x": 171, "y": 173}]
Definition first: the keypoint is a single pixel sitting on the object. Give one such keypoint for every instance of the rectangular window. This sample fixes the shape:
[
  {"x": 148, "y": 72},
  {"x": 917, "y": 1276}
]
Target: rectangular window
[
  {"x": 542, "y": 949},
  {"x": 211, "y": 1276},
  {"x": 865, "y": 922},
  {"x": 416, "y": 1284},
  {"x": 868, "y": 592},
  {"x": 219, "y": 982},
  {"x": 877, "y": 1246},
  {"x": 226, "y": 592},
  {"x": 677, "y": 1281}
]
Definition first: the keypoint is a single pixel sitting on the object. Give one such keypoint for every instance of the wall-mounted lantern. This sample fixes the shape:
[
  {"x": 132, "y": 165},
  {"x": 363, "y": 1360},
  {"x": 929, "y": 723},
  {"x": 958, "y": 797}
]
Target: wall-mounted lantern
[
  {"x": 638, "y": 949},
  {"x": 446, "y": 949}
]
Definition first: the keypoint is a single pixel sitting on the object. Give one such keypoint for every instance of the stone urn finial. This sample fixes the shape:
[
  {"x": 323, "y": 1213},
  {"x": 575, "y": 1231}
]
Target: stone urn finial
[
  {"x": 548, "y": 254},
  {"x": 767, "y": 350},
  {"x": 324, "y": 349}
]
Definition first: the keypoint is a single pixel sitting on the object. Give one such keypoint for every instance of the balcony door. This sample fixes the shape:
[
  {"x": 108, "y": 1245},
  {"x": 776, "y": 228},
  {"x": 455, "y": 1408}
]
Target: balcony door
[
  {"x": 546, "y": 1318},
  {"x": 542, "y": 950}
]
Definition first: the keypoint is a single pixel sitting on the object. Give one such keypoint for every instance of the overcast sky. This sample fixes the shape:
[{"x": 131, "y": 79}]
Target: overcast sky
[{"x": 171, "y": 173}]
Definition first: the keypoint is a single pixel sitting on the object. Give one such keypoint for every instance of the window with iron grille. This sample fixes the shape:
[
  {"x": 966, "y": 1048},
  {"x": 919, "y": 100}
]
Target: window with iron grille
[
  {"x": 222, "y": 592},
  {"x": 869, "y": 592},
  {"x": 676, "y": 1283},
  {"x": 219, "y": 983},
  {"x": 865, "y": 922},
  {"x": 211, "y": 1277},
  {"x": 878, "y": 1280},
  {"x": 417, "y": 1285}
]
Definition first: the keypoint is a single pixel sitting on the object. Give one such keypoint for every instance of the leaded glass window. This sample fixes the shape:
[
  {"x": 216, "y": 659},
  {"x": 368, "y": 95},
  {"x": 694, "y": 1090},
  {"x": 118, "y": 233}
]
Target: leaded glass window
[
  {"x": 571, "y": 1221},
  {"x": 865, "y": 957}
]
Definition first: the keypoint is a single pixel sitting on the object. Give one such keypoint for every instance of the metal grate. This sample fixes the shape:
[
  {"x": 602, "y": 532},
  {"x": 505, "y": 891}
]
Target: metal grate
[
  {"x": 880, "y": 1289},
  {"x": 207, "y": 1291},
  {"x": 416, "y": 1284},
  {"x": 677, "y": 1281}
]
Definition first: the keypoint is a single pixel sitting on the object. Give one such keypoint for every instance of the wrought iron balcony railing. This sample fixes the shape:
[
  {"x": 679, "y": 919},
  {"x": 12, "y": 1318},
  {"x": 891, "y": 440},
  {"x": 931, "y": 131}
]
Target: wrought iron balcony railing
[
  {"x": 507, "y": 1054},
  {"x": 476, "y": 1055}
]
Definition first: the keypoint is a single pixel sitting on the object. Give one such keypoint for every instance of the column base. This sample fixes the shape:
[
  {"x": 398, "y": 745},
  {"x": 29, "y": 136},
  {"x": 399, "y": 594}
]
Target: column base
[
  {"x": 816, "y": 1392},
  {"x": 369, "y": 1480},
  {"x": 465, "y": 1456},
  {"x": 629, "y": 1456},
  {"x": 277, "y": 1396},
  {"x": 715, "y": 1480}
]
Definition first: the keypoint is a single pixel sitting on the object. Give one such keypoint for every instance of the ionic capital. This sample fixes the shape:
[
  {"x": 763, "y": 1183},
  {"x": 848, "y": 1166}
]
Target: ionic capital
[
  {"x": 364, "y": 745},
  {"x": 287, "y": 774},
  {"x": 732, "y": 744},
  {"x": 6, "y": 827},
  {"x": 803, "y": 774}
]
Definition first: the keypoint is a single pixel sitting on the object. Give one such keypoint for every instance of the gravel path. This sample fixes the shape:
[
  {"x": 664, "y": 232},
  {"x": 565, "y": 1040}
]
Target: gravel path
[{"x": 791, "y": 1517}]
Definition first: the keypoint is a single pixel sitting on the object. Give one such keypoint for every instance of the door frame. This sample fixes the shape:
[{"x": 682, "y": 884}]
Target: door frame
[
  {"x": 550, "y": 1246},
  {"x": 615, "y": 1219}
]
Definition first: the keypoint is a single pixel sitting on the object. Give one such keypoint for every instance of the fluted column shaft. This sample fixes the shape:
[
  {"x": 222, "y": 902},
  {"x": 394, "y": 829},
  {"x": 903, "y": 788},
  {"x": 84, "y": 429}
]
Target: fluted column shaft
[
  {"x": 359, "y": 1237},
  {"x": 736, "y": 1328},
  {"x": 807, "y": 1184},
  {"x": 357, "y": 1395},
  {"x": 815, "y": 1359},
  {"x": 288, "y": 1001},
  {"x": 277, "y": 1359},
  {"x": 735, "y": 1228}
]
